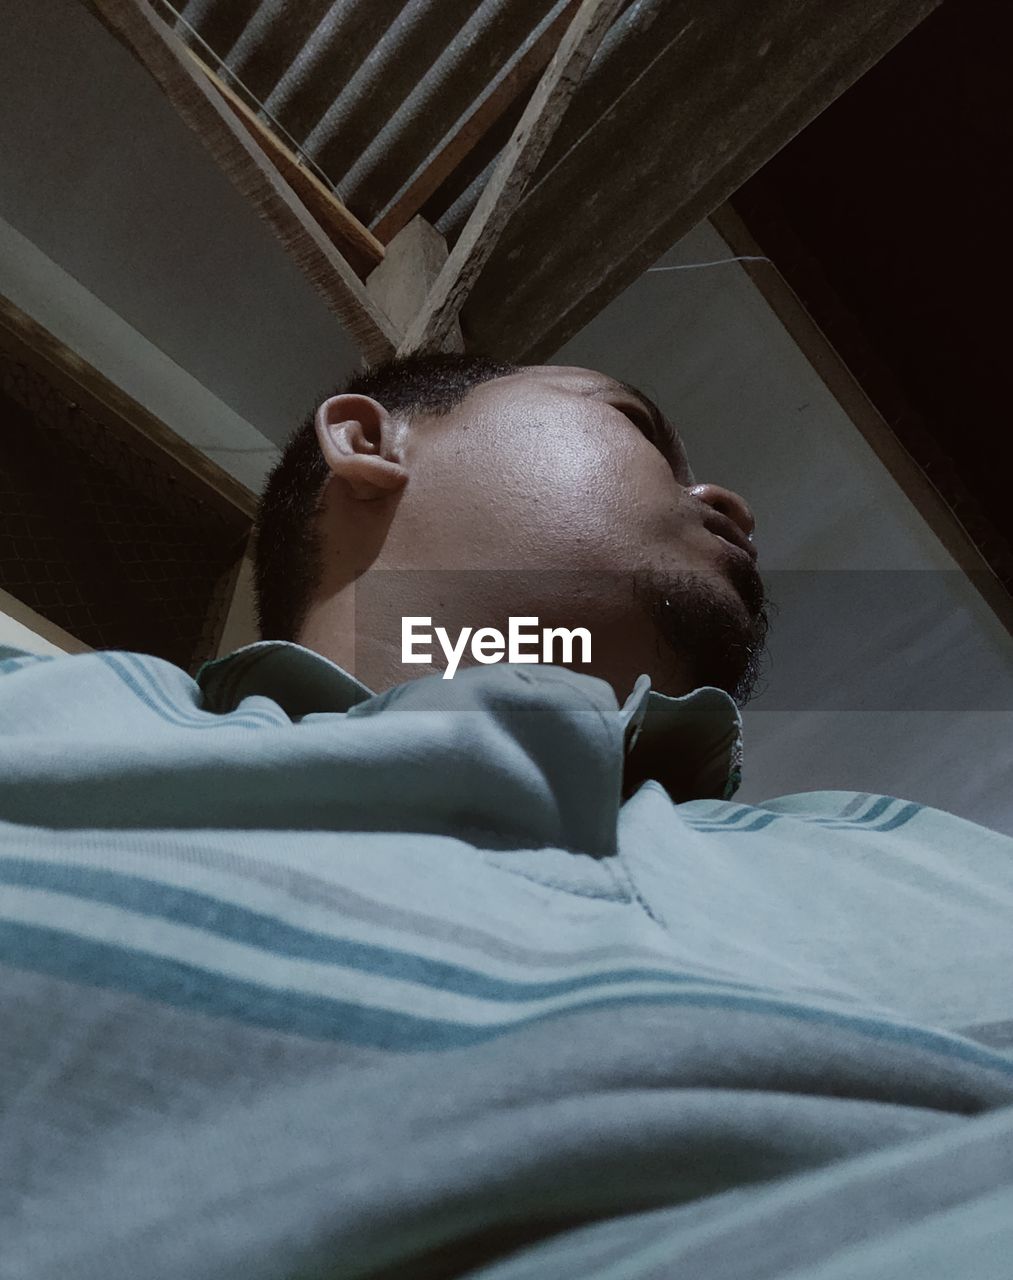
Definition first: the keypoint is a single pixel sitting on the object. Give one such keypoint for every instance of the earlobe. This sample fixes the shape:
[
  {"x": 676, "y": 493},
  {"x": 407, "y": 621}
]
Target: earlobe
[{"x": 358, "y": 440}]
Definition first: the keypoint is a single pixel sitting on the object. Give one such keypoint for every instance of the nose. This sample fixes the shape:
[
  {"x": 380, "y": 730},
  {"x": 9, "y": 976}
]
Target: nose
[{"x": 728, "y": 504}]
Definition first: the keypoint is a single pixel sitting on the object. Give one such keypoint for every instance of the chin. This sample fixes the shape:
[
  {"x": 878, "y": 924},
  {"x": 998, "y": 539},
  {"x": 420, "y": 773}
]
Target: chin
[{"x": 714, "y": 625}]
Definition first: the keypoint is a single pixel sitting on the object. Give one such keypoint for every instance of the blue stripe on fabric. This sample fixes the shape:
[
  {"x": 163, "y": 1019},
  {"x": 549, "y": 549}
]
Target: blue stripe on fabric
[
  {"x": 155, "y": 700},
  {"x": 741, "y": 811},
  {"x": 221, "y": 919},
  {"x": 866, "y": 821},
  {"x": 22, "y": 660},
  {"x": 139, "y": 690},
  {"x": 147, "y": 675},
  {"x": 758, "y": 822},
  {"x": 201, "y": 717},
  {"x": 197, "y": 717},
  {"x": 866, "y": 813},
  {"x": 902, "y": 816},
  {"x": 876, "y": 810},
  {"x": 899, "y": 819},
  {"x": 187, "y": 986}
]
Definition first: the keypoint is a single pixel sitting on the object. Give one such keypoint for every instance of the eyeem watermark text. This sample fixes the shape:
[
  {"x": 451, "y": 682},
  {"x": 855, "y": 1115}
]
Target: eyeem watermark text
[{"x": 523, "y": 642}]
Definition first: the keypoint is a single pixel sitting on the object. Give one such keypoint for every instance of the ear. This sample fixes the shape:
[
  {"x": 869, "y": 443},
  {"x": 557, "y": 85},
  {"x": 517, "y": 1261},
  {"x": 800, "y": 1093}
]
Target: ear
[{"x": 362, "y": 445}]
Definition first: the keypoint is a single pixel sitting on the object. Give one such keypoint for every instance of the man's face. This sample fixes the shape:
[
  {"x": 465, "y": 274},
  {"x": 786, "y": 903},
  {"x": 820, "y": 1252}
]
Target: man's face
[{"x": 559, "y": 492}]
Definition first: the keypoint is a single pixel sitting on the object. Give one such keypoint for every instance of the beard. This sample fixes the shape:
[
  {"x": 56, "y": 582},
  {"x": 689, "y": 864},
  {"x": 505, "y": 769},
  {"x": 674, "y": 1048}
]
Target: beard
[{"x": 718, "y": 636}]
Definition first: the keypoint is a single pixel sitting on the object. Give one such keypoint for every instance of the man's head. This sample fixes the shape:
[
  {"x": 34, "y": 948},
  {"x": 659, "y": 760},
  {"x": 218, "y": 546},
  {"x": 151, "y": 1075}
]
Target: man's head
[{"x": 472, "y": 491}]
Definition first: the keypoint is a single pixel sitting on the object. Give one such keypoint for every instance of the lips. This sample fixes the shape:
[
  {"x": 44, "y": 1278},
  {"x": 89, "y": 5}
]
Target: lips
[{"x": 728, "y": 530}]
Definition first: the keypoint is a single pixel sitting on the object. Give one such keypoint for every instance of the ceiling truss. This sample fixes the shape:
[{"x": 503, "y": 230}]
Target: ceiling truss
[{"x": 629, "y": 122}]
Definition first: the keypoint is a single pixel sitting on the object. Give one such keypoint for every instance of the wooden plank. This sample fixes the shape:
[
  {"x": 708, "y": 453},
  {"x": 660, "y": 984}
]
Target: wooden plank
[
  {"x": 850, "y": 395},
  {"x": 27, "y": 340},
  {"x": 503, "y": 191},
  {"x": 360, "y": 248},
  {"x": 470, "y": 132},
  {"x": 401, "y": 283},
  {"x": 246, "y": 165},
  {"x": 23, "y": 628},
  {"x": 682, "y": 113}
]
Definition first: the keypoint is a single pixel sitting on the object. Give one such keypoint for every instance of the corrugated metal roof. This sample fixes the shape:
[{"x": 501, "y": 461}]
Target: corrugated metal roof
[
  {"x": 392, "y": 102},
  {"x": 368, "y": 90}
]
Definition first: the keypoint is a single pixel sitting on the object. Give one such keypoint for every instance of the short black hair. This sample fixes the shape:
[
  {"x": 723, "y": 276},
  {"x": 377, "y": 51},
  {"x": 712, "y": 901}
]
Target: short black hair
[{"x": 287, "y": 548}]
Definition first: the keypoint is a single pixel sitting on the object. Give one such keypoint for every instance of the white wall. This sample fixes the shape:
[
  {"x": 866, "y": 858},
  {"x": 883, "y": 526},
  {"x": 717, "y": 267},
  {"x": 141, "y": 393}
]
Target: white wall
[{"x": 887, "y": 672}]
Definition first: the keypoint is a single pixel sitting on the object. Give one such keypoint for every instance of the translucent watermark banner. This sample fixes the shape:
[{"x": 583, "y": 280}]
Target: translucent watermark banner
[{"x": 805, "y": 640}]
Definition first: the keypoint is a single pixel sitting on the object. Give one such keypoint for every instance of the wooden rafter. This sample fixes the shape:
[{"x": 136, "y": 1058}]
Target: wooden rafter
[
  {"x": 121, "y": 415},
  {"x": 245, "y": 163},
  {"x": 501, "y": 95},
  {"x": 513, "y": 170},
  {"x": 706, "y": 97},
  {"x": 362, "y": 250}
]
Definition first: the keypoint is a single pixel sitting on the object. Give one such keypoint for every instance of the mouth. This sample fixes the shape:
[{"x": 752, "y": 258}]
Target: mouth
[{"x": 730, "y": 534}]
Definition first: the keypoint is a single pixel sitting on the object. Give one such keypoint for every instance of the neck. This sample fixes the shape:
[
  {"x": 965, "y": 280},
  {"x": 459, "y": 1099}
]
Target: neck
[{"x": 329, "y": 630}]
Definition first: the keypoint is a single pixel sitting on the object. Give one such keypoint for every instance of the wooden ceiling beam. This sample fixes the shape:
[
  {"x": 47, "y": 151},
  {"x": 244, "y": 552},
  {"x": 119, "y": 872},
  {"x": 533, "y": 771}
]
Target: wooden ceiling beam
[
  {"x": 244, "y": 162},
  {"x": 128, "y": 421},
  {"x": 704, "y": 97},
  {"x": 517, "y": 162},
  {"x": 357, "y": 244}
]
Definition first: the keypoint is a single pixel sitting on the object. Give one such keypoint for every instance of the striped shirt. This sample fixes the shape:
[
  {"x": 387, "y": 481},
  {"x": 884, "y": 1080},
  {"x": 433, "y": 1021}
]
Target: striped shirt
[{"x": 482, "y": 977}]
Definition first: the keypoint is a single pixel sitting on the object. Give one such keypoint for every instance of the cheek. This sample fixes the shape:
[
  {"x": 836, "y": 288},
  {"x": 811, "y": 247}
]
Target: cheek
[
  {"x": 649, "y": 500},
  {"x": 605, "y": 501},
  {"x": 602, "y": 501},
  {"x": 573, "y": 498}
]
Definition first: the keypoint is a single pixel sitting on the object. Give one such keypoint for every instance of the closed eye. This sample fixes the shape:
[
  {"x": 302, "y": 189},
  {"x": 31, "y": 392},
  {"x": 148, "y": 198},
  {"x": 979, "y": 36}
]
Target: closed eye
[
  {"x": 661, "y": 435},
  {"x": 643, "y": 423},
  {"x": 642, "y": 420}
]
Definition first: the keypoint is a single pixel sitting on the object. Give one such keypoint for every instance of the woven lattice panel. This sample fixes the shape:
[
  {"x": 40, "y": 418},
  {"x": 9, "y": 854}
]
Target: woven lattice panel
[{"x": 100, "y": 540}]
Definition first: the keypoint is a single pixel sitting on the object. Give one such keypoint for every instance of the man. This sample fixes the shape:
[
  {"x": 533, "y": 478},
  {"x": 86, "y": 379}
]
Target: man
[
  {"x": 323, "y": 964},
  {"x": 547, "y": 492}
]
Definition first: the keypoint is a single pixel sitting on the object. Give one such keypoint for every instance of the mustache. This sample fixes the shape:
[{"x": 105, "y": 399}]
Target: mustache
[{"x": 747, "y": 582}]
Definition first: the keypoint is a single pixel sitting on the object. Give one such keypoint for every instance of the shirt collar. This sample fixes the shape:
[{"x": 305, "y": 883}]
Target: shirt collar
[{"x": 692, "y": 744}]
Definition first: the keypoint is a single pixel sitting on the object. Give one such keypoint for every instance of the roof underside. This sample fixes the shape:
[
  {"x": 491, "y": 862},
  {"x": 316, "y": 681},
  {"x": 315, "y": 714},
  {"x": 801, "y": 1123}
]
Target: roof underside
[{"x": 403, "y": 108}]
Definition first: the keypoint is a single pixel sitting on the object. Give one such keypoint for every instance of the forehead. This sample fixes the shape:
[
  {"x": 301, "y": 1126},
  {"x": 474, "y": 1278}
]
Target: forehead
[
  {"x": 575, "y": 380},
  {"x": 569, "y": 378}
]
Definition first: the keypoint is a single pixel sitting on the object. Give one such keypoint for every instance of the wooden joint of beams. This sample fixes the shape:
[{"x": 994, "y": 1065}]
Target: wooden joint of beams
[
  {"x": 244, "y": 162},
  {"x": 513, "y": 170},
  {"x": 402, "y": 282}
]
